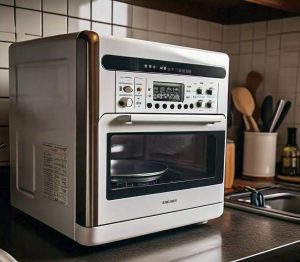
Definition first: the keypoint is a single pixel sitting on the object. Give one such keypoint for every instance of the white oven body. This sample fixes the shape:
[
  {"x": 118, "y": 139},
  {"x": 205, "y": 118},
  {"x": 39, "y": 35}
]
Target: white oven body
[{"x": 60, "y": 118}]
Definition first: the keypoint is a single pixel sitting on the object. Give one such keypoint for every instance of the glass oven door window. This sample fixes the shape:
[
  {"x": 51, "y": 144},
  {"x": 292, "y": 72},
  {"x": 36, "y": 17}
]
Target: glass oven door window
[{"x": 147, "y": 163}]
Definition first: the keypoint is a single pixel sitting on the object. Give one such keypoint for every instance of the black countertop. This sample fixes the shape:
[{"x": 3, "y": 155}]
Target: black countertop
[{"x": 235, "y": 235}]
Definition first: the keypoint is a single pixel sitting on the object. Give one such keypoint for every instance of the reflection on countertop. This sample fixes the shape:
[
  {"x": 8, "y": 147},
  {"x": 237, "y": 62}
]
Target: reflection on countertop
[{"x": 235, "y": 235}]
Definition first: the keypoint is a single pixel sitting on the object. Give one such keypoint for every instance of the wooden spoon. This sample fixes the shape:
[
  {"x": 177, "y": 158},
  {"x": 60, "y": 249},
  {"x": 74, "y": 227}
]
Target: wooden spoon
[
  {"x": 243, "y": 101},
  {"x": 253, "y": 81}
]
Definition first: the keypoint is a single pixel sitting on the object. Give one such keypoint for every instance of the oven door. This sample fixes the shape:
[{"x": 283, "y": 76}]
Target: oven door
[{"x": 153, "y": 164}]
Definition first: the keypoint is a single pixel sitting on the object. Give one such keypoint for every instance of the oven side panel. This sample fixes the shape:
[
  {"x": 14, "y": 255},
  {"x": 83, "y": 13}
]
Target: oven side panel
[{"x": 43, "y": 130}]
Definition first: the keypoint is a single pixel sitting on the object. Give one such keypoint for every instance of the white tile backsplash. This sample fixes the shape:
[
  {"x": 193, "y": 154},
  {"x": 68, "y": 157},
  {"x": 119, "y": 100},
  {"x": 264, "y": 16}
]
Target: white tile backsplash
[
  {"x": 55, "y": 6},
  {"x": 80, "y": 8},
  {"x": 189, "y": 42},
  {"x": 259, "y": 46},
  {"x": 156, "y": 21},
  {"x": 203, "y": 44},
  {"x": 287, "y": 80},
  {"x": 258, "y": 63},
  {"x": 215, "y": 31},
  {"x": 4, "y": 83},
  {"x": 7, "y": 2},
  {"x": 7, "y": 23},
  {"x": 290, "y": 24},
  {"x": 274, "y": 26},
  {"x": 260, "y": 30},
  {"x": 273, "y": 42},
  {"x": 231, "y": 33},
  {"x": 25, "y": 37},
  {"x": 156, "y": 37},
  {"x": 76, "y": 25},
  {"x": 28, "y": 22},
  {"x": 290, "y": 41},
  {"x": 204, "y": 30},
  {"x": 31, "y": 4},
  {"x": 139, "y": 17},
  {"x": 246, "y": 31},
  {"x": 246, "y": 47},
  {"x": 140, "y": 34},
  {"x": 7, "y": 37},
  {"x": 102, "y": 11},
  {"x": 189, "y": 26},
  {"x": 4, "y": 54},
  {"x": 231, "y": 48},
  {"x": 289, "y": 59},
  {"x": 173, "y": 23},
  {"x": 173, "y": 39},
  {"x": 121, "y": 31},
  {"x": 102, "y": 29},
  {"x": 122, "y": 14},
  {"x": 54, "y": 24}
]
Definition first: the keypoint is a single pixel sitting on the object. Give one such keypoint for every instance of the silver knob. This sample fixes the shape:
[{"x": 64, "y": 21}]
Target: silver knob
[
  {"x": 125, "y": 102},
  {"x": 127, "y": 89}
]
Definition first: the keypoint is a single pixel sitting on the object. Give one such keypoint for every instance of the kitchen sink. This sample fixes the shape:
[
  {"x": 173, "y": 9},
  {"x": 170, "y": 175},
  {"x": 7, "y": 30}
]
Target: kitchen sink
[{"x": 281, "y": 201}]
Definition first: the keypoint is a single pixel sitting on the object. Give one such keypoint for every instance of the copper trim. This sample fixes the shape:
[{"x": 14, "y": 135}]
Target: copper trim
[{"x": 92, "y": 40}]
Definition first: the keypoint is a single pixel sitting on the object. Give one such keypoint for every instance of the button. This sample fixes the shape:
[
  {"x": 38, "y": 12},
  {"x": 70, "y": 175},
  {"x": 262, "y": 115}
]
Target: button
[
  {"x": 199, "y": 103},
  {"x": 156, "y": 106},
  {"x": 209, "y": 91},
  {"x": 191, "y": 106},
  {"x": 127, "y": 89},
  {"x": 199, "y": 91},
  {"x": 139, "y": 89},
  {"x": 164, "y": 106},
  {"x": 209, "y": 104},
  {"x": 172, "y": 106},
  {"x": 185, "y": 106},
  {"x": 149, "y": 105},
  {"x": 125, "y": 102},
  {"x": 179, "y": 106}
]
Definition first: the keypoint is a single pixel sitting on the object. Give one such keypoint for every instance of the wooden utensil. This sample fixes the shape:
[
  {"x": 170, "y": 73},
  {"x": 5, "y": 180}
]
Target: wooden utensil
[
  {"x": 266, "y": 113},
  {"x": 253, "y": 81},
  {"x": 243, "y": 101}
]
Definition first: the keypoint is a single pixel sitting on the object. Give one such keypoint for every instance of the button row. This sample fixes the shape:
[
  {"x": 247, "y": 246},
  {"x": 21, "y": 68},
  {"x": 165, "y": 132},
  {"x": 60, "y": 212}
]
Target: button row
[{"x": 179, "y": 106}]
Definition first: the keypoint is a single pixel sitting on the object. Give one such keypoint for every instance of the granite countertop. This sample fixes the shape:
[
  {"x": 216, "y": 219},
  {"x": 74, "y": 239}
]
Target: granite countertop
[{"x": 235, "y": 235}]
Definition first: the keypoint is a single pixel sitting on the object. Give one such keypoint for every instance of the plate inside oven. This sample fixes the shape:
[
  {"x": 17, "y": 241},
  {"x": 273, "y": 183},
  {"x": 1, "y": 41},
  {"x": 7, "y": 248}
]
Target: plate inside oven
[{"x": 136, "y": 170}]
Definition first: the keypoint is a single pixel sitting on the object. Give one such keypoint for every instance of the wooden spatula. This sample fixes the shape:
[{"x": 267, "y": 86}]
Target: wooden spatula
[{"x": 243, "y": 101}]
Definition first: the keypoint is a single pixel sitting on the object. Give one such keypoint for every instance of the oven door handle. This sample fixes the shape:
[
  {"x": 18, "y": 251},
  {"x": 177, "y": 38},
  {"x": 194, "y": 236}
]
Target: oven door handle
[{"x": 151, "y": 118}]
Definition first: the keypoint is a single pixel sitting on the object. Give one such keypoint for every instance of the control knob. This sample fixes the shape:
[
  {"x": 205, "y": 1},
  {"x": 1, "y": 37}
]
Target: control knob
[
  {"x": 209, "y": 104},
  {"x": 199, "y": 91},
  {"x": 125, "y": 102},
  {"x": 199, "y": 103},
  {"x": 209, "y": 91}
]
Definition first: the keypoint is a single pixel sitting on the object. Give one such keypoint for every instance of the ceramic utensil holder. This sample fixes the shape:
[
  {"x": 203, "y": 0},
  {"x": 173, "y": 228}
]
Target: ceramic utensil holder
[{"x": 259, "y": 154}]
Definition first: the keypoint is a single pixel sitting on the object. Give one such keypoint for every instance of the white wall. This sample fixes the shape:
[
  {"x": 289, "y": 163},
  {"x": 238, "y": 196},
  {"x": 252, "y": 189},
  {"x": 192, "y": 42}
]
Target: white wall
[{"x": 272, "y": 49}]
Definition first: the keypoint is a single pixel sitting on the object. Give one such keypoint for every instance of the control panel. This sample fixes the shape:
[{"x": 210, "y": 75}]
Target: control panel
[{"x": 153, "y": 93}]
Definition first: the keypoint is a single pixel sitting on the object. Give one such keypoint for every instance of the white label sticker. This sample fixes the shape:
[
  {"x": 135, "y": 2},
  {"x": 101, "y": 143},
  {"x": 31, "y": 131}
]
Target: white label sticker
[{"x": 55, "y": 172}]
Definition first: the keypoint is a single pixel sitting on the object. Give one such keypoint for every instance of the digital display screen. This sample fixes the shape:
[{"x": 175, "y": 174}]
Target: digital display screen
[{"x": 167, "y": 91}]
